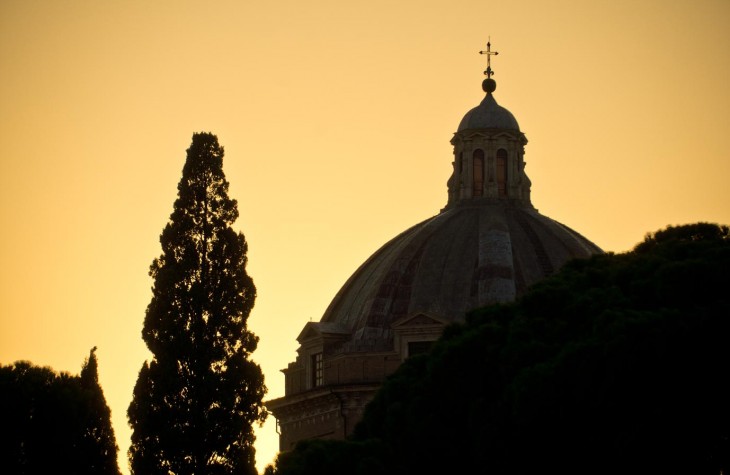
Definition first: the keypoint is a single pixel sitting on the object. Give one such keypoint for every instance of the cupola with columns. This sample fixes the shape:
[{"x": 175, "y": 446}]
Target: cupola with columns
[{"x": 488, "y": 153}]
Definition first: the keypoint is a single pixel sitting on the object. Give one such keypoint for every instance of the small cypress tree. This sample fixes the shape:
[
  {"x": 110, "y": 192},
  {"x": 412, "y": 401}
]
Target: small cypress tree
[
  {"x": 55, "y": 423},
  {"x": 98, "y": 441},
  {"x": 196, "y": 402}
]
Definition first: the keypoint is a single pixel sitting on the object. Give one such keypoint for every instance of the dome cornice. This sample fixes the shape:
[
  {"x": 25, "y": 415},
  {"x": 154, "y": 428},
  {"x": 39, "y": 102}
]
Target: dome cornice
[{"x": 491, "y": 133}]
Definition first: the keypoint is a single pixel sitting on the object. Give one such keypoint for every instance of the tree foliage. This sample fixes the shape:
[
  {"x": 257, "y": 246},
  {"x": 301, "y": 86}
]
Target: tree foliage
[
  {"x": 55, "y": 423},
  {"x": 617, "y": 364},
  {"x": 195, "y": 402}
]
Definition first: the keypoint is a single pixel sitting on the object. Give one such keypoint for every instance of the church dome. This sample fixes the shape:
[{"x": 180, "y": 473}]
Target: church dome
[
  {"x": 487, "y": 245},
  {"x": 489, "y": 115},
  {"x": 463, "y": 258}
]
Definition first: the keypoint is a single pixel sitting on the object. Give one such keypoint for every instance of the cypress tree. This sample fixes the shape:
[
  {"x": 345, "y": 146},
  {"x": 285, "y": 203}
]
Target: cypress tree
[
  {"x": 98, "y": 441},
  {"x": 55, "y": 422},
  {"x": 196, "y": 401}
]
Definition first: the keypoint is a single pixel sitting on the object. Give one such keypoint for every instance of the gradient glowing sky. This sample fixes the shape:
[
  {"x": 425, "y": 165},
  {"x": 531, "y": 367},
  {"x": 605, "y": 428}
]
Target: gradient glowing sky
[{"x": 336, "y": 118}]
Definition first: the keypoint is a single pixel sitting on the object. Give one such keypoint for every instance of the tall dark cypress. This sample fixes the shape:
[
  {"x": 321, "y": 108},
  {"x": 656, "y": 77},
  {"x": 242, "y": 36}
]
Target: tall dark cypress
[{"x": 196, "y": 401}]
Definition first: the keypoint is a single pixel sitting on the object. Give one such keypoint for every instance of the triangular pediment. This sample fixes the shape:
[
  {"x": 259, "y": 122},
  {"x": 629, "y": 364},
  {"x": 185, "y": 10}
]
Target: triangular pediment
[
  {"x": 308, "y": 332},
  {"x": 418, "y": 320},
  {"x": 314, "y": 330}
]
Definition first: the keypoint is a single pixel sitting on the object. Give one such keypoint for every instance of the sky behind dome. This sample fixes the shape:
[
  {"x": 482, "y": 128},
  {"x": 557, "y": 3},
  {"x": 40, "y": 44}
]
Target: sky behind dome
[{"x": 336, "y": 118}]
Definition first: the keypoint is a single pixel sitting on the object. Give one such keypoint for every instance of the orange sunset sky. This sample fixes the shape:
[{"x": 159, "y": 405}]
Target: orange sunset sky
[{"x": 336, "y": 118}]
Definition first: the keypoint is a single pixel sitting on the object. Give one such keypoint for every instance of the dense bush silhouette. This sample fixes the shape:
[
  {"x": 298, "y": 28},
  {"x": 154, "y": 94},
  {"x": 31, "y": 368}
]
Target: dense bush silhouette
[
  {"x": 55, "y": 423},
  {"x": 617, "y": 364}
]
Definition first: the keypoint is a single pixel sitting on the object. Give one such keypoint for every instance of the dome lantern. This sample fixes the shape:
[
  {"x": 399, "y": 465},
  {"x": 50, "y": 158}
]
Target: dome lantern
[{"x": 489, "y": 152}]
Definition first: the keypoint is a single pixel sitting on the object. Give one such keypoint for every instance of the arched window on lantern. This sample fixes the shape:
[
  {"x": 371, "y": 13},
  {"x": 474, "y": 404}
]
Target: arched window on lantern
[
  {"x": 478, "y": 160},
  {"x": 501, "y": 172}
]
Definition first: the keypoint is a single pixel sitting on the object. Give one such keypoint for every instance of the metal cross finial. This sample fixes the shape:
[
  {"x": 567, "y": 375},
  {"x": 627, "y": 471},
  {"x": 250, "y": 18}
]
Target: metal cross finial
[{"x": 488, "y": 72}]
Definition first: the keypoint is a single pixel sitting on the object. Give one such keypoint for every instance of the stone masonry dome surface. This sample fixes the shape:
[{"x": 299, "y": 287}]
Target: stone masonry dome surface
[
  {"x": 489, "y": 115},
  {"x": 458, "y": 260}
]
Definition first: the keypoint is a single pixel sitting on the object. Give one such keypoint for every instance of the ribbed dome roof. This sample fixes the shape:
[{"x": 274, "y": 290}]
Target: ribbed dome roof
[
  {"x": 489, "y": 115},
  {"x": 461, "y": 259}
]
